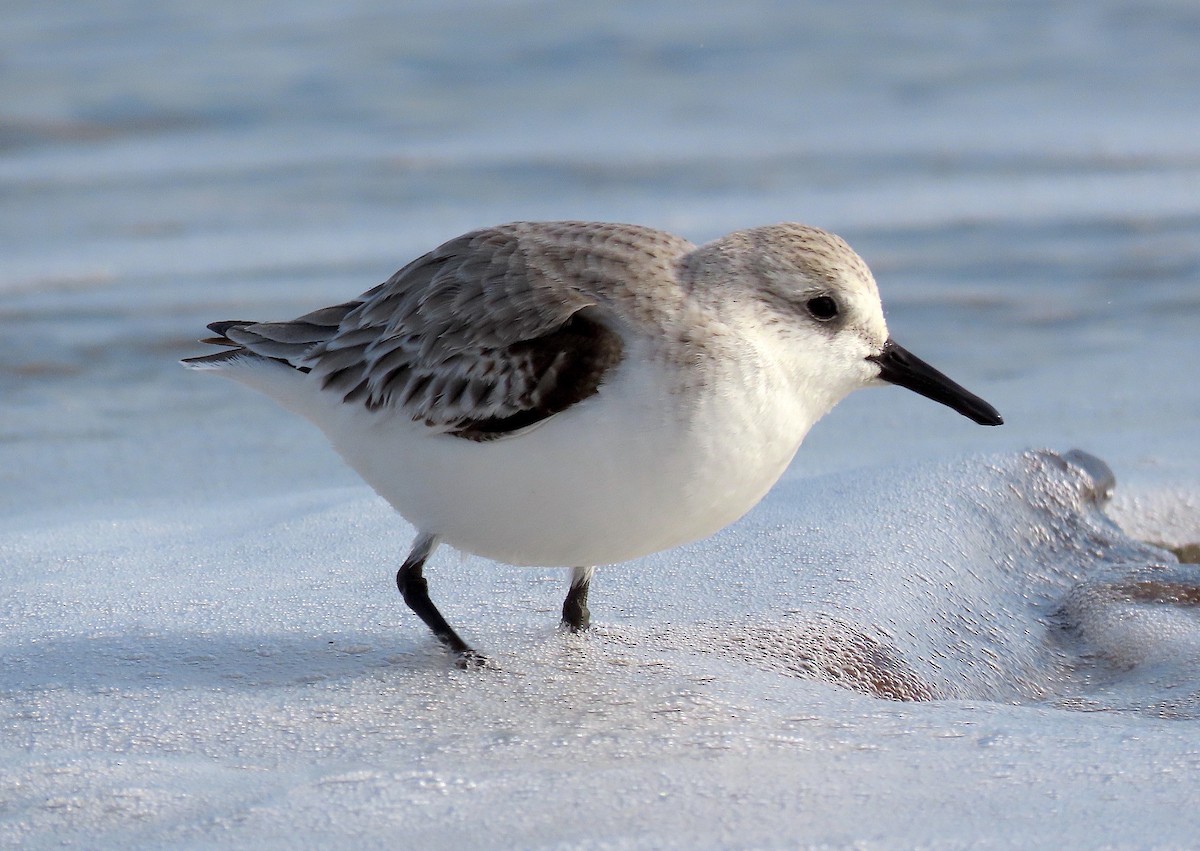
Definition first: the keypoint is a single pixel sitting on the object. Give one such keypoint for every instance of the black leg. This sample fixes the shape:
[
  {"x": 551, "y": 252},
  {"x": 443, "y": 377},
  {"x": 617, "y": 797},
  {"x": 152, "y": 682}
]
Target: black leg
[
  {"x": 415, "y": 590},
  {"x": 575, "y": 614}
]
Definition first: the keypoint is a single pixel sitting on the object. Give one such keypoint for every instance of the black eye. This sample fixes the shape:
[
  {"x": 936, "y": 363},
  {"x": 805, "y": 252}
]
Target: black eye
[{"x": 823, "y": 308}]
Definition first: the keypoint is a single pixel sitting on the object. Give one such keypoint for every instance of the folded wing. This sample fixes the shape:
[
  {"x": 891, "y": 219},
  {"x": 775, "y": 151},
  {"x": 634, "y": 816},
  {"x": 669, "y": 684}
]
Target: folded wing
[{"x": 480, "y": 337}]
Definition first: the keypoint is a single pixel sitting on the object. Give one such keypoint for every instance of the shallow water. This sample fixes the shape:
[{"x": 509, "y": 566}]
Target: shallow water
[{"x": 1023, "y": 179}]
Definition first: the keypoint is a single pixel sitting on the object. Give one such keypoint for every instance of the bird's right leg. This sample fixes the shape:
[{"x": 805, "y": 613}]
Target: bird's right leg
[{"x": 415, "y": 590}]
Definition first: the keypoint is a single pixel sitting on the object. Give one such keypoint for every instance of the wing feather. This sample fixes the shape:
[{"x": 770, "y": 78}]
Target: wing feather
[{"x": 490, "y": 332}]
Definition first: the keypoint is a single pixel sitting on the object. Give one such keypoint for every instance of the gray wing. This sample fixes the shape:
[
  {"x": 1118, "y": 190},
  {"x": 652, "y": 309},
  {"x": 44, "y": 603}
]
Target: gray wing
[{"x": 490, "y": 332}]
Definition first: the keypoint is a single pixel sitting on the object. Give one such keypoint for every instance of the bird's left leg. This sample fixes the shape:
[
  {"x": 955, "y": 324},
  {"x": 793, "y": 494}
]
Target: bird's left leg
[
  {"x": 575, "y": 614},
  {"x": 411, "y": 581}
]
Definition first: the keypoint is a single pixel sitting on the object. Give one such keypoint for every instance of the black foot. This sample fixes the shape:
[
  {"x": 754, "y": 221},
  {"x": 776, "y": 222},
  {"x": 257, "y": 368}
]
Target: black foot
[
  {"x": 415, "y": 590},
  {"x": 575, "y": 614},
  {"x": 471, "y": 660}
]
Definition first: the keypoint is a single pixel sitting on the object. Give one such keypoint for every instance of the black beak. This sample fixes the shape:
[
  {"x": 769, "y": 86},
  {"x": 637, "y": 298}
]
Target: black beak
[{"x": 898, "y": 366}]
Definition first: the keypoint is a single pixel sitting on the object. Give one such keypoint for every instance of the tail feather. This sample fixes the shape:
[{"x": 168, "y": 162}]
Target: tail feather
[
  {"x": 274, "y": 377},
  {"x": 256, "y": 339},
  {"x": 215, "y": 360},
  {"x": 252, "y": 344},
  {"x": 285, "y": 342},
  {"x": 291, "y": 333},
  {"x": 221, "y": 327}
]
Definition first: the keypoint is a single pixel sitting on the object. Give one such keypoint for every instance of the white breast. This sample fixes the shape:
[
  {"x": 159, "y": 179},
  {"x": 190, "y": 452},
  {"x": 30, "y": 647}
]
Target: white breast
[{"x": 636, "y": 468}]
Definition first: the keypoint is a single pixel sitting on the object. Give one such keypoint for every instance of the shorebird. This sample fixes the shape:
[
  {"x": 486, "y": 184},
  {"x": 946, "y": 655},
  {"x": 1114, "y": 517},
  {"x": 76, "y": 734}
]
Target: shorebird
[{"x": 579, "y": 393}]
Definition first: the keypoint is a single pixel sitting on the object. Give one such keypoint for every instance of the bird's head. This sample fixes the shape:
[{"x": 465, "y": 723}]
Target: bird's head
[{"x": 815, "y": 294}]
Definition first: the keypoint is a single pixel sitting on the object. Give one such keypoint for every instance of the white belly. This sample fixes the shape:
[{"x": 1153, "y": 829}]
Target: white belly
[{"x": 629, "y": 471}]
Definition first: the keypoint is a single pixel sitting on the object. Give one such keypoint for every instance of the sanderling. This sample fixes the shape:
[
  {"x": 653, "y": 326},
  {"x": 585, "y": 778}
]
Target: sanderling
[{"x": 579, "y": 393}]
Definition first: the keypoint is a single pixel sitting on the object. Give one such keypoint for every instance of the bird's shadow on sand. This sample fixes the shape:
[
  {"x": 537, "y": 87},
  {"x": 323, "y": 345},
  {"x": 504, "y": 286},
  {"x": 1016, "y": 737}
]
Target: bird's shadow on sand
[{"x": 165, "y": 661}]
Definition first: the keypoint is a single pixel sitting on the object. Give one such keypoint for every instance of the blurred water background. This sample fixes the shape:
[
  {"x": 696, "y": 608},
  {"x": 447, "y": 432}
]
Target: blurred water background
[{"x": 1023, "y": 178}]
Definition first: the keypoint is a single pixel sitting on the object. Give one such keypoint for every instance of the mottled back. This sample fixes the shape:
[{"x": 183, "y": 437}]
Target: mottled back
[{"x": 490, "y": 332}]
